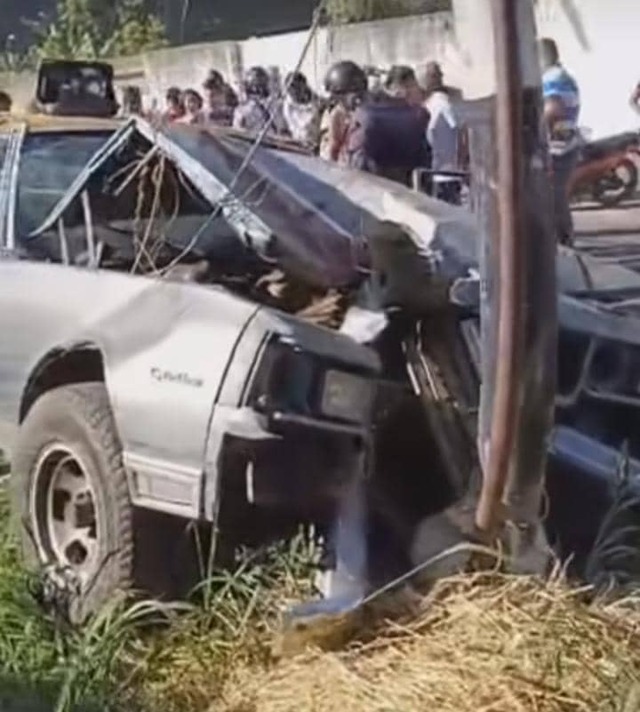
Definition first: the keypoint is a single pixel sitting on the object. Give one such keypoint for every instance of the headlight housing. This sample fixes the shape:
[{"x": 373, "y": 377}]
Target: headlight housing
[
  {"x": 346, "y": 396},
  {"x": 291, "y": 380}
]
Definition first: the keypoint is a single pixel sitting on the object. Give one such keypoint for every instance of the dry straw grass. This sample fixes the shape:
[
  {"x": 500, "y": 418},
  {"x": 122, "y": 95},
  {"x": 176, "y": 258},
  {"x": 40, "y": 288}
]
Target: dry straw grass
[{"x": 483, "y": 644}]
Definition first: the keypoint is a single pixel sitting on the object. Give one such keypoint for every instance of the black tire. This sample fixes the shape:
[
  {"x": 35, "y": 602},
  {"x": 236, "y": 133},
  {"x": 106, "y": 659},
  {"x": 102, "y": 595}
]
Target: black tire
[
  {"x": 77, "y": 418},
  {"x": 627, "y": 189}
]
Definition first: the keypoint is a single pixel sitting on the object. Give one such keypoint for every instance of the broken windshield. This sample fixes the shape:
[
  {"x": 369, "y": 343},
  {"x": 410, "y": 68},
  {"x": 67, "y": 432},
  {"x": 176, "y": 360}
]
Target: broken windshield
[{"x": 49, "y": 164}]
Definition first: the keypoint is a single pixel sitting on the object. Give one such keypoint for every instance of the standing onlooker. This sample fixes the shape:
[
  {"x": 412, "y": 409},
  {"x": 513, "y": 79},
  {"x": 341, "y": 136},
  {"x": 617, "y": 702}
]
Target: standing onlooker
[
  {"x": 346, "y": 84},
  {"x": 174, "y": 104},
  {"x": 388, "y": 134},
  {"x": 193, "y": 104},
  {"x": 256, "y": 111},
  {"x": 401, "y": 82},
  {"x": 301, "y": 110},
  {"x": 131, "y": 101},
  {"x": 220, "y": 100},
  {"x": 561, "y": 113},
  {"x": 443, "y": 134}
]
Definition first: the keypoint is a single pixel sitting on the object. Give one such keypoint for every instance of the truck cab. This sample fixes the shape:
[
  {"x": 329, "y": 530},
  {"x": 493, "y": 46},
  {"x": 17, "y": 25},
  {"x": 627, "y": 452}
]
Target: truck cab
[{"x": 73, "y": 88}]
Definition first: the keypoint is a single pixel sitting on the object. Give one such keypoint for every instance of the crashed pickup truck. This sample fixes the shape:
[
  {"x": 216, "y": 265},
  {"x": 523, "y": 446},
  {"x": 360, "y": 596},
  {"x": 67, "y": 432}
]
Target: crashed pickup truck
[
  {"x": 145, "y": 362},
  {"x": 227, "y": 333}
]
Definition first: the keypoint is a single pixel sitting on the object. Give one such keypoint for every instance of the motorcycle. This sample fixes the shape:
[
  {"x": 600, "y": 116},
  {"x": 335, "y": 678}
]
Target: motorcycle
[{"x": 606, "y": 171}]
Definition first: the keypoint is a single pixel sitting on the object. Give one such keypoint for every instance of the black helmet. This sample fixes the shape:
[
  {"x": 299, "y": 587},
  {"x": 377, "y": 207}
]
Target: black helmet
[
  {"x": 256, "y": 82},
  {"x": 345, "y": 78}
]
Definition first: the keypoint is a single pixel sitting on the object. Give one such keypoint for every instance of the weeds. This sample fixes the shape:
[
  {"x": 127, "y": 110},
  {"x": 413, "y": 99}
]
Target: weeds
[
  {"x": 530, "y": 644},
  {"x": 69, "y": 669},
  {"x": 142, "y": 655},
  {"x": 231, "y": 626}
]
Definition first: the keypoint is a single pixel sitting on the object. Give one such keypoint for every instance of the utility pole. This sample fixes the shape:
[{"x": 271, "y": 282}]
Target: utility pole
[{"x": 519, "y": 325}]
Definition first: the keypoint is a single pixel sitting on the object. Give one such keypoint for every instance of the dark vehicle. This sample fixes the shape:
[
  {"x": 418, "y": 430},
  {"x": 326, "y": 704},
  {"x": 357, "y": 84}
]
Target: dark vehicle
[{"x": 73, "y": 88}]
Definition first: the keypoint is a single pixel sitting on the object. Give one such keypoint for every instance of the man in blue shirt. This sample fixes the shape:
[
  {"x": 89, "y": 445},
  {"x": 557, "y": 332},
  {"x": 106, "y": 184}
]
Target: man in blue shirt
[{"x": 561, "y": 113}]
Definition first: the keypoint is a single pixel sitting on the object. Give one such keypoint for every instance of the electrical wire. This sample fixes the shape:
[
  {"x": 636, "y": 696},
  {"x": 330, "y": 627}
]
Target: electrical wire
[
  {"x": 157, "y": 178},
  {"x": 228, "y": 197}
]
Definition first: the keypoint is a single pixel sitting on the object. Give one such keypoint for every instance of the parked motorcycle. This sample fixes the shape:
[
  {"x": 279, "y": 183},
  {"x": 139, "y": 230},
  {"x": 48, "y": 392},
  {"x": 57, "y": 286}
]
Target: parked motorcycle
[{"x": 607, "y": 172}]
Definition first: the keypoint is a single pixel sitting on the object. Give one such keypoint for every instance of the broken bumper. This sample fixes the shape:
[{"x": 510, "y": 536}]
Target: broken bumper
[{"x": 299, "y": 463}]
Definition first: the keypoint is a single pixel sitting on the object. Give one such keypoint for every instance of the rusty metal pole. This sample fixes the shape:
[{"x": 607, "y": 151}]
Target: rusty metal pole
[
  {"x": 510, "y": 344},
  {"x": 524, "y": 339},
  {"x": 540, "y": 325}
]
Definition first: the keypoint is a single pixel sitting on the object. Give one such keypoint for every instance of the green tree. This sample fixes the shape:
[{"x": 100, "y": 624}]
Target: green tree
[
  {"x": 343, "y": 11},
  {"x": 95, "y": 29}
]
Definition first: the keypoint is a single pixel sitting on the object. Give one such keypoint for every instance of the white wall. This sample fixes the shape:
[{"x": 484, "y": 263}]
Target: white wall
[{"x": 599, "y": 41}]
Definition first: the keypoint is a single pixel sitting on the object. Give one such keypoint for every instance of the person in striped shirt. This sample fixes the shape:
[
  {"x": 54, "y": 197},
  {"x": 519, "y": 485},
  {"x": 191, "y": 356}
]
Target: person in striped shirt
[{"x": 561, "y": 113}]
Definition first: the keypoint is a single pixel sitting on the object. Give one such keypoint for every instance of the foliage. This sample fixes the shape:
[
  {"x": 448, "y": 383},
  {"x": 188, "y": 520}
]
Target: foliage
[
  {"x": 482, "y": 639},
  {"x": 344, "y": 11},
  {"x": 93, "y": 29},
  {"x": 14, "y": 58},
  {"x": 141, "y": 654},
  {"x": 233, "y": 625},
  {"x": 51, "y": 667}
]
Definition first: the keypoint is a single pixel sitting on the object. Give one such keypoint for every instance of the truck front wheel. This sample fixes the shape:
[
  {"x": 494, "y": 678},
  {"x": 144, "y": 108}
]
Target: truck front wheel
[{"x": 70, "y": 494}]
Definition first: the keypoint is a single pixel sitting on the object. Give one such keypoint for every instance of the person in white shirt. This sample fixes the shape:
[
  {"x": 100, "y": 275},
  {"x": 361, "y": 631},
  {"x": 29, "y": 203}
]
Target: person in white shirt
[
  {"x": 301, "y": 111},
  {"x": 443, "y": 134}
]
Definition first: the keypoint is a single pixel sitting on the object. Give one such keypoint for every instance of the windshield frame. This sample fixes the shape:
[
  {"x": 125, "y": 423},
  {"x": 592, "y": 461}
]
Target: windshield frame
[{"x": 64, "y": 155}]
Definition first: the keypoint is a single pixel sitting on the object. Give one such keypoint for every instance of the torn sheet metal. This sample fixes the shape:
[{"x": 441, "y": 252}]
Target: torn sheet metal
[
  {"x": 189, "y": 157},
  {"x": 320, "y": 215},
  {"x": 322, "y": 224},
  {"x": 590, "y": 318}
]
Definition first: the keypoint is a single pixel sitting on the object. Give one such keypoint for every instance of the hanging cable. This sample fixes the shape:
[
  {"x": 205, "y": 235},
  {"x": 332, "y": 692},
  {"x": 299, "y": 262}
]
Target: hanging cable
[{"x": 229, "y": 197}]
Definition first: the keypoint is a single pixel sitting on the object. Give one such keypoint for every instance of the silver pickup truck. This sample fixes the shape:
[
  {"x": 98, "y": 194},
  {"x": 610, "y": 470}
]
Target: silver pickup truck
[{"x": 126, "y": 386}]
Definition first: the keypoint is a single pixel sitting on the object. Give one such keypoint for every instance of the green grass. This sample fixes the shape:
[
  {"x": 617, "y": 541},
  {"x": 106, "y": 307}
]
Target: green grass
[{"x": 141, "y": 655}]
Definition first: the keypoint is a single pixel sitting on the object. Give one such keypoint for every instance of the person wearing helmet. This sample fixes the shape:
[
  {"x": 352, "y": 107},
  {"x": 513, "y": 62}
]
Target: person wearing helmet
[
  {"x": 388, "y": 136},
  {"x": 301, "y": 111},
  {"x": 347, "y": 85},
  {"x": 220, "y": 100},
  {"x": 259, "y": 108}
]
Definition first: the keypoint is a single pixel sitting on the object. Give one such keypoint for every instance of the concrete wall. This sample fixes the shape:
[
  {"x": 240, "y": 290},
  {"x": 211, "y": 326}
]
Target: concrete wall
[{"x": 598, "y": 40}]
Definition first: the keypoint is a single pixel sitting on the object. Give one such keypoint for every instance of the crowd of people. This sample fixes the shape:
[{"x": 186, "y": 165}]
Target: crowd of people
[
  {"x": 387, "y": 124},
  {"x": 389, "y": 129}
]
